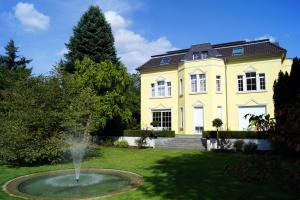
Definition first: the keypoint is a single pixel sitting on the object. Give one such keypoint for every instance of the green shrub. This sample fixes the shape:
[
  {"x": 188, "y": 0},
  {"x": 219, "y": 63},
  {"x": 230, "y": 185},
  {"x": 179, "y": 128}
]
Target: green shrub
[
  {"x": 238, "y": 145},
  {"x": 141, "y": 133},
  {"x": 250, "y": 147},
  {"x": 121, "y": 144},
  {"x": 236, "y": 134}
]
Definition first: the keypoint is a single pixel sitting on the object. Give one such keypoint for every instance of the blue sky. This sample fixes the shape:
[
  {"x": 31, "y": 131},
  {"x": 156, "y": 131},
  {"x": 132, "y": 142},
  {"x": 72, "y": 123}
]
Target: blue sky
[{"x": 146, "y": 27}]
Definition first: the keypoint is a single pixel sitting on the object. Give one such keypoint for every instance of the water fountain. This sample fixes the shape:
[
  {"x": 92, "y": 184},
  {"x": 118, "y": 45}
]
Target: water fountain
[
  {"x": 61, "y": 184},
  {"x": 77, "y": 146}
]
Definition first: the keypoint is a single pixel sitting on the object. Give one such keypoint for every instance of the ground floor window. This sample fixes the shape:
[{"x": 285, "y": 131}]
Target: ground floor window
[{"x": 163, "y": 117}]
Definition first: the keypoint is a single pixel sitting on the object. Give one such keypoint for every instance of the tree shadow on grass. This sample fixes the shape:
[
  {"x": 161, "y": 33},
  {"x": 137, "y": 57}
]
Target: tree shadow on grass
[{"x": 195, "y": 176}]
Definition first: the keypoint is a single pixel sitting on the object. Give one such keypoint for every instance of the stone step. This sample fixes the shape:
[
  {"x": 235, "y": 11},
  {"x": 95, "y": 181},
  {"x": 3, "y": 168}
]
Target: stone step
[{"x": 180, "y": 142}]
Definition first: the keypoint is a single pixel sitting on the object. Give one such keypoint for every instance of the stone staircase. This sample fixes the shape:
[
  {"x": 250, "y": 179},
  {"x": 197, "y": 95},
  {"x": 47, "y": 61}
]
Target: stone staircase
[{"x": 180, "y": 142}]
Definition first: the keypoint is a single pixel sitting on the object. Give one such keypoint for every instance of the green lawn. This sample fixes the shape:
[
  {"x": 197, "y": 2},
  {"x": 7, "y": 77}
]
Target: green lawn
[{"x": 169, "y": 174}]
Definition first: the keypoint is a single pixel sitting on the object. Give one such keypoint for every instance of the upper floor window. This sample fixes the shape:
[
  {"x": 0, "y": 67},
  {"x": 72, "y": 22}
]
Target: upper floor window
[
  {"x": 165, "y": 60},
  {"x": 161, "y": 89},
  {"x": 152, "y": 89},
  {"x": 262, "y": 81},
  {"x": 169, "y": 88},
  {"x": 240, "y": 83},
  {"x": 198, "y": 83},
  {"x": 196, "y": 55},
  {"x": 204, "y": 54},
  {"x": 180, "y": 87},
  {"x": 202, "y": 82},
  {"x": 238, "y": 51},
  {"x": 218, "y": 83},
  {"x": 251, "y": 82},
  {"x": 194, "y": 83}
]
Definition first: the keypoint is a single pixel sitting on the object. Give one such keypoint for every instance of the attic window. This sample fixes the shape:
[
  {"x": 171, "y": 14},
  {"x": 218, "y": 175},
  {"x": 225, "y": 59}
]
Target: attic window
[
  {"x": 204, "y": 54},
  {"x": 165, "y": 60},
  {"x": 196, "y": 55},
  {"x": 238, "y": 51}
]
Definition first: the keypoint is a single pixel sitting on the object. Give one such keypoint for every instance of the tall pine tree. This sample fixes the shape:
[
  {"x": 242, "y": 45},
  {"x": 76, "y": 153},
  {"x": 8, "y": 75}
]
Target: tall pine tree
[
  {"x": 12, "y": 66},
  {"x": 11, "y": 60},
  {"x": 92, "y": 37}
]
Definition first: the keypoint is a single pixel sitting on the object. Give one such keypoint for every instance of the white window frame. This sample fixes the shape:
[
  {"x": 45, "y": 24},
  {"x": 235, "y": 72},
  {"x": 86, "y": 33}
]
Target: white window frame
[
  {"x": 204, "y": 54},
  {"x": 194, "y": 85},
  {"x": 161, "y": 89},
  {"x": 240, "y": 82},
  {"x": 164, "y": 118},
  {"x": 202, "y": 82},
  {"x": 153, "y": 90},
  {"x": 251, "y": 78},
  {"x": 180, "y": 87},
  {"x": 219, "y": 112},
  {"x": 169, "y": 88},
  {"x": 260, "y": 82},
  {"x": 181, "y": 117},
  {"x": 196, "y": 55},
  {"x": 218, "y": 83}
]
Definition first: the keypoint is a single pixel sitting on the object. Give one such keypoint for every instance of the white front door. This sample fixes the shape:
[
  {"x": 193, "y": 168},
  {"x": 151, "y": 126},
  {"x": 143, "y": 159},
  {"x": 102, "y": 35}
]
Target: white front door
[
  {"x": 198, "y": 120},
  {"x": 243, "y": 110}
]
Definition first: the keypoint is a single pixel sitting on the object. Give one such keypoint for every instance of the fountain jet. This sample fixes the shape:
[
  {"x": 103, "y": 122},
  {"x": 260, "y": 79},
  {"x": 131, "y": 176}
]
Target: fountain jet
[{"x": 77, "y": 147}]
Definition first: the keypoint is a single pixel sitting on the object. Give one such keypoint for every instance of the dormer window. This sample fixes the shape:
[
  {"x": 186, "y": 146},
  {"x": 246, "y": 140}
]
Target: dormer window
[
  {"x": 238, "y": 51},
  {"x": 196, "y": 55},
  {"x": 165, "y": 61},
  {"x": 204, "y": 54}
]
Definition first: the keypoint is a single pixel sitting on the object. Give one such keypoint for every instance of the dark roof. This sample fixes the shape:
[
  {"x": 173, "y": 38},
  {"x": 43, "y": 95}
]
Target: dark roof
[{"x": 223, "y": 50}]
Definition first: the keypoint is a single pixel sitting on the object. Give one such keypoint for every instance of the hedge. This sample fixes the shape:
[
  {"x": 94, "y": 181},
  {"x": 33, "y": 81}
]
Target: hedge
[
  {"x": 236, "y": 134},
  {"x": 140, "y": 133}
]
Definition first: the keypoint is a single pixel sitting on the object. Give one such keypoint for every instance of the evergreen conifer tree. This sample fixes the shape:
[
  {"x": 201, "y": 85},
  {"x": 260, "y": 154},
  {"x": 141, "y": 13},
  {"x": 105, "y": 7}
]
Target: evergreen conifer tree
[
  {"x": 10, "y": 61},
  {"x": 92, "y": 37}
]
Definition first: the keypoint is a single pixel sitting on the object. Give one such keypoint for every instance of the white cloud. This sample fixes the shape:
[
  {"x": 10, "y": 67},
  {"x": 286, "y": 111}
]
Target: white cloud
[
  {"x": 30, "y": 18},
  {"x": 116, "y": 20},
  {"x": 133, "y": 48},
  {"x": 62, "y": 52},
  {"x": 271, "y": 38}
]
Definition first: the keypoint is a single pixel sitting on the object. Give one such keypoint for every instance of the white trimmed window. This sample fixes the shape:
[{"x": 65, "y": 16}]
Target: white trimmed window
[
  {"x": 198, "y": 83},
  {"x": 180, "y": 87},
  {"x": 204, "y": 54},
  {"x": 251, "y": 81},
  {"x": 181, "y": 117},
  {"x": 152, "y": 89},
  {"x": 161, "y": 88},
  {"x": 240, "y": 83},
  {"x": 196, "y": 55},
  {"x": 219, "y": 112},
  {"x": 193, "y": 83},
  {"x": 262, "y": 81},
  {"x": 202, "y": 82},
  {"x": 218, "y": 83},
  {"x": 163, "y": 117},
  {"x": 169, "y": 88}
]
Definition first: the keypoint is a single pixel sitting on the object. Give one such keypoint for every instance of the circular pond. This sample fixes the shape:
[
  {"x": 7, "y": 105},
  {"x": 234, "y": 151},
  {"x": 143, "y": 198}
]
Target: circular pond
[{"x": 93, "y": 183}]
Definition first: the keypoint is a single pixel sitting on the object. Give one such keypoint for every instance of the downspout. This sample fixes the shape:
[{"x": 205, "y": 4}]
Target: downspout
[{"x": 226, "y": 94}]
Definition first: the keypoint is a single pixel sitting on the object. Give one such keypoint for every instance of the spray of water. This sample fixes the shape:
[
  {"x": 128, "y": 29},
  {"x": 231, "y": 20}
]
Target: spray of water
[{"x": 77, "y": 146}]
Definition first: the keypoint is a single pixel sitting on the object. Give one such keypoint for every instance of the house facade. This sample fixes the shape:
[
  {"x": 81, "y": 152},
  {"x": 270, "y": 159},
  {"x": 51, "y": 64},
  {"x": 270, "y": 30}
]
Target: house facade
[{"x": 185, "y": 90}]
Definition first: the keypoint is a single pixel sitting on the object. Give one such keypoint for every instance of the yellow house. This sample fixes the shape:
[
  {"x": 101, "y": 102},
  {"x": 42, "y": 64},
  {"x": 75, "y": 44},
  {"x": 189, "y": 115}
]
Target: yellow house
[{"x": 185, "y": 90}]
